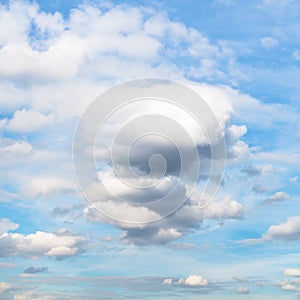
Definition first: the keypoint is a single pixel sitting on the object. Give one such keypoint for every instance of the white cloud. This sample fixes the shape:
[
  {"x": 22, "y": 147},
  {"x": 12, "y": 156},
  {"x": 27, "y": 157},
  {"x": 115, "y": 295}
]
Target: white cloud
[
  {"x": 88, "y": 41},
  {"x": 32, "y": 296},
  {"x": 243, "y": 290},
  {"x": 59, "y": 244},
  {"x": 269, "y": 42},
  {"x": 289, "y": 286},
  {"x": 167, "y": 281},
  {"x": 225, "y": 209},
  {"x": 6, "y": 225},
  {"x": 27, "y": 121},
  {"x": 292, "y": 272},
  {"x": 11, "y": 97},
  {"x": 289, "y": 230},
  {"x": 18, "y": 148},
  {"x": 47, "y": 186},
  {"x": 194, "y": 280}
]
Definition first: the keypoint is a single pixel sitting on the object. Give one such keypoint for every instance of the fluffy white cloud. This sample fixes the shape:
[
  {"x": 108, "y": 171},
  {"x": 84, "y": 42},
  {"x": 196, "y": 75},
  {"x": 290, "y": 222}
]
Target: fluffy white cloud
[
  {"x": 225, "y": 209},
  {"x": 289, "y": 230},
  {"x": 27, "y": 121},
  {"x": 194, "y": 280},
  {"x": 59, "y": 244},
  {"x": 88, "y": 41}
]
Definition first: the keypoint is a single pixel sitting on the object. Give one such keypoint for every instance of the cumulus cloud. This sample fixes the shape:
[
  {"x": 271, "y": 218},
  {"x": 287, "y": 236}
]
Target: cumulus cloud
[
  {"x": 288, "y": 231},
  {"x": 194, "y": 281},
  {"x": 182, "y": 222},
  {"x": 88, "y": 41},
  {"x": 60, "y": 244},
  {"x": 27, "y": 121},
  {"x": 67, "y": 57}
]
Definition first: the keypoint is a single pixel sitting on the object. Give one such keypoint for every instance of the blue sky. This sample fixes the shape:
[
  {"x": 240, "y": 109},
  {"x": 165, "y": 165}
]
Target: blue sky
[{"x": 241, "y": 57}]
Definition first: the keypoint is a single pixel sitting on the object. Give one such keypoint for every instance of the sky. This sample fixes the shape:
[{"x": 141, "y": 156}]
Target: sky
[{"x": 241, "y": 58}]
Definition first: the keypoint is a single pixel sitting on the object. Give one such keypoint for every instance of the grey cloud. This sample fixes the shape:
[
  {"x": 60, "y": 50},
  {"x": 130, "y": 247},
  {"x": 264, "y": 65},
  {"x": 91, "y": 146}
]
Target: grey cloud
[
  {"x": 188, "y": 218},
  {"x": 251, "y": 170},
  {"x": 277, "y": 197},
  {"x": 35, "y": 270},
  {"x": 260, "y": 188}
]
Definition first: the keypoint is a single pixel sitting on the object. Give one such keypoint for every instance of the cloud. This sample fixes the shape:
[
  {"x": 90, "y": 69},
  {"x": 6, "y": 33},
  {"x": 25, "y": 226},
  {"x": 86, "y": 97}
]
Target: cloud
[
  {"x": 296, "y": 54},
  {"x": 47, "y": 186},
  {"x": 167, "y": 281},
  {"x": 6, "y": 225},
  {"x": 182, "y": 222},
  {"x": 33, "y": 296},
  {"x": 27, "y": 121},
  {"x": 292, "y": 272},
  {"x": 35, "y": 270},
  {"x": 4, "y": 287},
  {"x": 288, "y": 231},
  {"x": 88, "y": 41},
  {"x": 60, "y": 244},
  {"x": 286, "y": 286},
  {"x": 277, "y": 197},
  {"x": 269, "y": 42},
  {"x": 17, "y": 148},
  {"x": 225, "y": 209},
  {"x": 260, "y": 188},
  {"x": 194, "y": 281},
  {"x": 259, "y": 170},
  {"x": 243, "y": 290}
]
